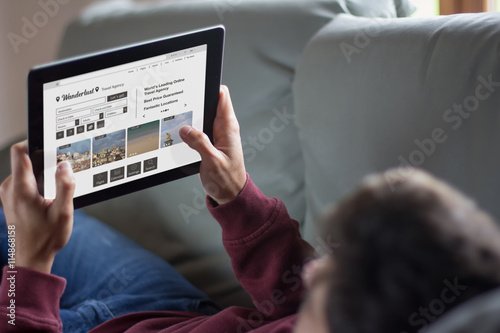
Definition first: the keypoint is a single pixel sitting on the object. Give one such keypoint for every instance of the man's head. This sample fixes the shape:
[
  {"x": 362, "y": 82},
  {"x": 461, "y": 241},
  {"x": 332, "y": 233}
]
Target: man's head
[{"x": 411, "y": 248}]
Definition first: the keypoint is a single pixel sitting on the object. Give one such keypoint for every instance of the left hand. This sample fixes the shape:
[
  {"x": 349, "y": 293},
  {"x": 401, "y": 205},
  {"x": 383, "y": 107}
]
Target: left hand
[
  {"x": 222, "y": 170},
  {"x": 42, "y": 227}
]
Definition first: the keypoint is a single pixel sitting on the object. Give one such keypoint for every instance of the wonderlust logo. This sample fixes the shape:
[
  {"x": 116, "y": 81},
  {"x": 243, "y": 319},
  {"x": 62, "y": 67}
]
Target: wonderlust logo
[{"x": 70, "y": 96}]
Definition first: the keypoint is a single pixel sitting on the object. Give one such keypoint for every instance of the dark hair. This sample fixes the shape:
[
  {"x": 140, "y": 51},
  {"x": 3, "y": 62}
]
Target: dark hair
[{"x": 411, "y": 248}]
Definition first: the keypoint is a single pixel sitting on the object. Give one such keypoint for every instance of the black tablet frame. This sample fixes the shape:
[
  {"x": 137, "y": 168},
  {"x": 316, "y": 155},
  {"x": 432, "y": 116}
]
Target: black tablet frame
[{"x": 213, "y": 37}]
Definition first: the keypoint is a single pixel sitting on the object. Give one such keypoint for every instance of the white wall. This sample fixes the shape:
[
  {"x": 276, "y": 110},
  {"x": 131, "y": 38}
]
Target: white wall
[
  {"x": 40, "y": 48},
  {"x": 426, "y": 8}
]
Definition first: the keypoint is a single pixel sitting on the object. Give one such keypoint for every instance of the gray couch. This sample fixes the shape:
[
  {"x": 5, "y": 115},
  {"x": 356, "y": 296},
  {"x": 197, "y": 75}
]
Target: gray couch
[
  {"x": 324, "y": 96},
  {"x": 259, "y": 67},
  {"x": 372, "y": 94}
]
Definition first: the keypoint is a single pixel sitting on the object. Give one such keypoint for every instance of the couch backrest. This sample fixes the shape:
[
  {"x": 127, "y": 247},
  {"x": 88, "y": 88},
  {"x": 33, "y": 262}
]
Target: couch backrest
[
  {"x": 265, "y": 39},
  {"x": 264, "y": 42}
]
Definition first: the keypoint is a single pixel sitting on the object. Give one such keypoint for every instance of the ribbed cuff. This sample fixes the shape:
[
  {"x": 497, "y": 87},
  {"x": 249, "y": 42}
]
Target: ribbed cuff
[{"x": 249, "y": 211}]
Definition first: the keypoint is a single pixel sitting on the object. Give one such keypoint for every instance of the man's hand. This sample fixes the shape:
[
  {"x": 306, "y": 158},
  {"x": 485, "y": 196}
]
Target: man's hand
[
  {"x": 42, "y": 227},
  {"x": 222, "y": 170}
]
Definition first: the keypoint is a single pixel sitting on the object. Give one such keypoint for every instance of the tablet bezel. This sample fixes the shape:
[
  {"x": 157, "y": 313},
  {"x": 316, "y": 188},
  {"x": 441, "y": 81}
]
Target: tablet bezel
[{"x": 213, "y": 37}]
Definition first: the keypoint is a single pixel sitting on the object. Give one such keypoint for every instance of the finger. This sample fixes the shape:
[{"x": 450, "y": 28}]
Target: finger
[
  {"x": 16, "y": 152},
  {"x": 198, "y": 141},
  {"x": 22, "y": 173},
  {"x": 4, "y": 188},
  {"x": 65, "y": 188},
  {"x": 225, "y": 110}
]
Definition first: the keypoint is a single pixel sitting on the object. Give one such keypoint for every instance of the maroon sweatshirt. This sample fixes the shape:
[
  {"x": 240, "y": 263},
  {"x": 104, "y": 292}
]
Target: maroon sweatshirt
[{"x": 267, "y": 254}]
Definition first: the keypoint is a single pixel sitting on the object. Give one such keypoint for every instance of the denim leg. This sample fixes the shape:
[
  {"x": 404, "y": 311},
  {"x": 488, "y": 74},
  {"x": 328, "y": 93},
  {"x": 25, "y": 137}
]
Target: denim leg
[
  {"x": 4, "y": 246},
  {"x": 108, "y": 275}
]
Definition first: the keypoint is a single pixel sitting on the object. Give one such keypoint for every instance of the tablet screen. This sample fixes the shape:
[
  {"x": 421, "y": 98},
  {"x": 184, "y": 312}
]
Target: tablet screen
[{"x": 121, "y": 123}]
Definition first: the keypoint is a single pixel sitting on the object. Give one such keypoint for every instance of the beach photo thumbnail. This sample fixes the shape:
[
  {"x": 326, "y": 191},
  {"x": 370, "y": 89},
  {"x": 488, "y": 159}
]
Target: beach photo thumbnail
[
  {"x": 170, "y": 127},
  {"x": 77, "y": 154},
  {"x": 108, "y": 148},
  {"x": 143, "y": 138}
]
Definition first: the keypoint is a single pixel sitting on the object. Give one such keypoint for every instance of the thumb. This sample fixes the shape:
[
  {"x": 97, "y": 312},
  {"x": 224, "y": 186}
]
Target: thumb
[
  {"x": 65, "y": 188},
  {"x": 198, "y": 141}
]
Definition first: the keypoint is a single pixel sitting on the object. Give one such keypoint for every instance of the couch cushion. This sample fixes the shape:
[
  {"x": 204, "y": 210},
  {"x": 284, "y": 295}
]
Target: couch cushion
[
  {"x": 372, "y": 94},
  {"x": 264, "y": 42}
]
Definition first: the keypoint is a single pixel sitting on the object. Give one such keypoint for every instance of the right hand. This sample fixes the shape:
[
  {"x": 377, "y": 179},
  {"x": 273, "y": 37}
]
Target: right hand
[{"x": 222, "y": 170}]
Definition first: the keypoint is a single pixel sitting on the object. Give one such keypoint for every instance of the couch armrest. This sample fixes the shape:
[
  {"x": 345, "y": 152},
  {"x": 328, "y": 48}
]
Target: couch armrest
[{"x": 372, "y": 94}]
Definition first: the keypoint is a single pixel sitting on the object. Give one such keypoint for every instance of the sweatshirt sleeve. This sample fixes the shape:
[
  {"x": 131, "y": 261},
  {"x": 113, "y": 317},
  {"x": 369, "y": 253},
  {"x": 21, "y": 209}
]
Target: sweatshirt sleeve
[
  {"x": 266, "y": 249},
  {"x": 29, "y": 301}
]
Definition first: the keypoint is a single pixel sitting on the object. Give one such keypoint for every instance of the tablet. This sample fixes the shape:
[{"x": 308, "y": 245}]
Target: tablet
[{"x": 115, "y": 116}]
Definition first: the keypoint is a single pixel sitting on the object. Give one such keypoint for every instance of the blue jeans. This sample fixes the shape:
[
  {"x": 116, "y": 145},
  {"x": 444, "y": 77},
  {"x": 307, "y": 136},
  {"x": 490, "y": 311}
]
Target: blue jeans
[{"x": 108, "y": 275}]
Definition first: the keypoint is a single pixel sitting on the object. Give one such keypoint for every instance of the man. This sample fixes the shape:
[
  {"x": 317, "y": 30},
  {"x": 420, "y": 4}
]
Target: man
[{"x": 397, "y": 245}]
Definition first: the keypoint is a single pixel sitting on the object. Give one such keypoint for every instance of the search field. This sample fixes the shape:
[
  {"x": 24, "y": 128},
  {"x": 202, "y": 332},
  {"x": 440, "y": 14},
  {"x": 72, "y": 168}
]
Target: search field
[{"x": 83, "y": 105}]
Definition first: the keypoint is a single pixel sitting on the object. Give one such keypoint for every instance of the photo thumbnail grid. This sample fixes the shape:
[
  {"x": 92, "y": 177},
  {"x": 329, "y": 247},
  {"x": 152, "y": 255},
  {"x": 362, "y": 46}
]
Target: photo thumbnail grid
[{"x": 121, "y": 144}]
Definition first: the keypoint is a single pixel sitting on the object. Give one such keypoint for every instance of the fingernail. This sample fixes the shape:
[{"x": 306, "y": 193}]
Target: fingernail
[
  {"x": 185, "y": 130},
  {"x": 64, "y": 166}
]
